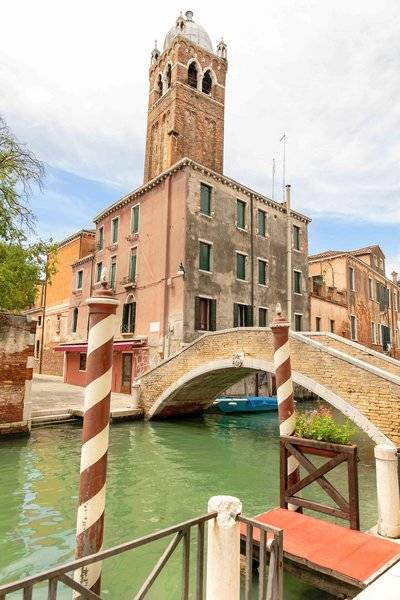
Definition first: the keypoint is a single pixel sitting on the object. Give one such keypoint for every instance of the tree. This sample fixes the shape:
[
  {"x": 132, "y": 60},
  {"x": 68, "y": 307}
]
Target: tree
[{"x": 22, "y": 255}]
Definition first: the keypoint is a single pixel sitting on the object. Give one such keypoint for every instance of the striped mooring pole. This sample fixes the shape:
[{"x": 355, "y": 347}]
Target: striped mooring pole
[
  {"x": 284, "y": 389},
  {"x": 96, "y": 417}
]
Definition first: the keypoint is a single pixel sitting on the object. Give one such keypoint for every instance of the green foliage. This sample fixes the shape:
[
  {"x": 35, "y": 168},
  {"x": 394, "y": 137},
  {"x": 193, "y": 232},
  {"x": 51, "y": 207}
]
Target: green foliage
[{"x": 320, "y": 425}]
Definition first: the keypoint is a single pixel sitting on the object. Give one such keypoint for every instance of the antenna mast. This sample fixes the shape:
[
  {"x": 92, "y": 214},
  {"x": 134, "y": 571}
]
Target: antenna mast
[
  {"x": 273, "y": 179},
  {"x": 283, "y": 138}
]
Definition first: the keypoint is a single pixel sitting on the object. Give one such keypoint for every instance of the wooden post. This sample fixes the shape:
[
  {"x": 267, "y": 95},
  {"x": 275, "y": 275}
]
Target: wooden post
[
  {"x": 92, "y": 489},
  {"x": 284, "y": 391},
  {"x": 223, "y": 549}
]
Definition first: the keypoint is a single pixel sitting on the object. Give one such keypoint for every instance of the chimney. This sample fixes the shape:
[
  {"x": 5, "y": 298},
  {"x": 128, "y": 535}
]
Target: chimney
[{"x": 395, "y": 277}]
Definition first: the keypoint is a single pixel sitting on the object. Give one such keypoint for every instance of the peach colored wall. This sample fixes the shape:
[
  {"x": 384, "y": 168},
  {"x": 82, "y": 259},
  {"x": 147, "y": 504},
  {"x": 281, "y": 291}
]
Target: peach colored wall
[
  {"x": 328, "y": 311},
  {"x": 78, "y": 299},
  {"x": 72, "y": 373}
]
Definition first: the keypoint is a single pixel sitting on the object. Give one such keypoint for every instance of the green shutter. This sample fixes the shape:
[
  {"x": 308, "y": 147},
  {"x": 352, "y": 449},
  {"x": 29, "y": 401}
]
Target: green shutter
[
  {"x": 197, "y": 313},
  {"x": 235, "y": 315},
  {"x": 205, "y": 199},
  {"x": 132, "y": 270},
  {"x": 240, "y": 266},
  {"x": 135, "y": 219},
  {"x": 204, "y": 258},
  {"x": 125, "y": 314},
  {"x": 213, "y": 315},
  {"x": 133, "y": 317},
  {"x": 249, "y": 315},
  {"x": 240, "y": 214}
]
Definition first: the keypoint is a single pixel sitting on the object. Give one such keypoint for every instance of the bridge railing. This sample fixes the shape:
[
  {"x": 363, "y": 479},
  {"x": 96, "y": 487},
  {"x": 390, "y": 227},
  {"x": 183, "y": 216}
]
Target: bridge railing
[{"x": 270, "y": 542}]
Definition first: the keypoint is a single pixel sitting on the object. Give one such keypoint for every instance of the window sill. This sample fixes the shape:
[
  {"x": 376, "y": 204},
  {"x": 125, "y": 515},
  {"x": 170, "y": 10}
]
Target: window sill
[
  {"x": 297, "y": 293},
  {"x": 204, "y": 271},
  {"x": 264, "y": 285},
  {"x": 206, "y": 215},
  {"x": 244, "y": 229},
  {"x": 242, "y": 280},
  {"x": 299, "y": 250}
]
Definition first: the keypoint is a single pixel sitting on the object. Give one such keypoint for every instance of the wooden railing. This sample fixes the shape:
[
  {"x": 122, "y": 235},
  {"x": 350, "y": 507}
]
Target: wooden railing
[{"x": 344, "y": 508}]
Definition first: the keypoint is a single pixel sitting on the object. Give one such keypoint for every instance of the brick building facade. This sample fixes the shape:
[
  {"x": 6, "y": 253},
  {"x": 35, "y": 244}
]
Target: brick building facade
[
  {"x": 352, "y": 297},
  {"x": 191, "y": 250}
]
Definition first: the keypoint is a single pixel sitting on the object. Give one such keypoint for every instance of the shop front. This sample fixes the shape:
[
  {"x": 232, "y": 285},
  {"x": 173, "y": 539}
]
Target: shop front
[{"x": 130, "y": 359}]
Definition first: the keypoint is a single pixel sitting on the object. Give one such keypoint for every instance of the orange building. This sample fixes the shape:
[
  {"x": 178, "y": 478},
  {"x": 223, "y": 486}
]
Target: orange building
[{"x": 51, "y": 309}]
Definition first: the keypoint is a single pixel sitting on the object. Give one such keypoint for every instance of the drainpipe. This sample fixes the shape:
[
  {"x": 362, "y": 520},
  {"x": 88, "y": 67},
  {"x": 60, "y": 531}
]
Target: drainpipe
[
  {"x": 44, "y": 313},
  {"x": 289, "y": 254},
  {"x": 165, "y": 327},
  {"x": 252, "y": 257}
]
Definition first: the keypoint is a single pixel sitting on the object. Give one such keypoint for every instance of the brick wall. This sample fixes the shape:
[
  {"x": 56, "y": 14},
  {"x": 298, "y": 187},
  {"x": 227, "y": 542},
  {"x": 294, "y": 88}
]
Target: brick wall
[
  {"x": 52, "y": 364},
  {"x": 16, "y": 361}
]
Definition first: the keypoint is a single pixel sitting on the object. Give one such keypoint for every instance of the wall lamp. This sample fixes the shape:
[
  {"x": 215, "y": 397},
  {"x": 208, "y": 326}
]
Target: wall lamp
[{"x": 181, "y": 272}]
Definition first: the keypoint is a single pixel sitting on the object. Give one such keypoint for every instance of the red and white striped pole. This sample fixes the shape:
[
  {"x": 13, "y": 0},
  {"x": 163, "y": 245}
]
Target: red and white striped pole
[
  {"x": 96, "y": 417},
  {"x": 284, "y": 388}
]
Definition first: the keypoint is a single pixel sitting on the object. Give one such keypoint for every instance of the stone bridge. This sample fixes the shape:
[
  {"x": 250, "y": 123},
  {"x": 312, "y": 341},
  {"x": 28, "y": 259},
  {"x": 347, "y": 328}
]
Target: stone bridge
[{"x": 361, "y": 383}]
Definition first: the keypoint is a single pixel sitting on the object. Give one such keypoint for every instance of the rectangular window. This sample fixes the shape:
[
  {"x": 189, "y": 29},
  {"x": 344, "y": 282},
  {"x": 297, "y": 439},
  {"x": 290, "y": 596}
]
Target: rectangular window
[
  {"x": 99, "y": 270},
  {"x": 79, "y": 280},
  {"x": 352, "y": 279},
  {"x": 263, "y": 317},
  {"x": 114, "y": 230},
  {"x": 317, "y": 323},
  {"x": 378, "y": 333},
  {"x": 205, "y": 256},
  {"x": 262, "y": 271},
  {"x": 370, "y": 288},
  {"x": 373, "y": 333},
  {"x": 296, "y": 237},
  {"x": 113, "y": 273},
  {"x": 205, "y": 199},
  {"x": 297, "y": 288},
  {"x": 332, "y": 326},
  {"x": 82, "y": 361},
  {"x": 100, "y": 238},
  {"x": 132, "y": 264},
  {"x": 205, "y": 314},
  {"x": 39, "y": 320},
  {"x": 37, "y": 349},
  {"x": 135, "y": 219},
  {"x": 128, "y": 317},
  {"x": 240, "y": 266},
  {"x": 353, "y": 327},
  {"x": 240, "y": 214},
  {"x": 262, "y": 223},
  {"x": 242, "y": 315},
  {"x": 298, "y": 322}
]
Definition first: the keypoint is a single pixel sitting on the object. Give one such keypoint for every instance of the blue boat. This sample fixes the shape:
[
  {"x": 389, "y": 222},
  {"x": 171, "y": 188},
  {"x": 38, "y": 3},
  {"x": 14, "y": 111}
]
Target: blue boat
[{"x": 246, "y": 404}]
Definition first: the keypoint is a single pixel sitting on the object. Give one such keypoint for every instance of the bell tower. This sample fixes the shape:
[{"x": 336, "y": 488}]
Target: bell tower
[{"x": 186, "y": 100}]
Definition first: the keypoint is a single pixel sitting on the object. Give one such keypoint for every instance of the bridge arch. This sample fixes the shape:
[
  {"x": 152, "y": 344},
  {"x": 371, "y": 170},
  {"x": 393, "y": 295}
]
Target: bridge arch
[{"x": 189, "y": 381}]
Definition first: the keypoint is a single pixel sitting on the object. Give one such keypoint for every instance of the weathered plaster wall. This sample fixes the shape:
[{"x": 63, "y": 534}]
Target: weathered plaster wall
[{"x": 16, "y": 361}]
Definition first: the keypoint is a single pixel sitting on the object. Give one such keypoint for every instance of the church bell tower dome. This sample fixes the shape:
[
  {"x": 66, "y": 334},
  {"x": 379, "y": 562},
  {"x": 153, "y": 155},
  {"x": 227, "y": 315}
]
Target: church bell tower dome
[{"x": 188, "y": 28}]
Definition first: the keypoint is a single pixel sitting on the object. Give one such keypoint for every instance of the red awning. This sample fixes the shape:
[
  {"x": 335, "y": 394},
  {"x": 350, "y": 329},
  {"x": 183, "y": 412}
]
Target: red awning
[{"x": 120, "y": 346}]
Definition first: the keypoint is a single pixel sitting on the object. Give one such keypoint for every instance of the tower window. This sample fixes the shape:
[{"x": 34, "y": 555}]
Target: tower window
[
  {"x": 192, "y": 75},
  {"x": 74, "y": 324},
  {"x": 159, "y": 85},
  {"x": 207, "y": 83},
  {"x": 168, "y": 77}
]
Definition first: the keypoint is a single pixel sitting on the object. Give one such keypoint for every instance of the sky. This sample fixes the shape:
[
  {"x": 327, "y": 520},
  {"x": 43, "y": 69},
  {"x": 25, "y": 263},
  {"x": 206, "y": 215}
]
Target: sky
[{"x": 74, "y": 85}]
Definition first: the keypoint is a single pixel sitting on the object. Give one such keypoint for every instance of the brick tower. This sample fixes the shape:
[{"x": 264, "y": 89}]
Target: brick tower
[{"x": 186, "y": 100}]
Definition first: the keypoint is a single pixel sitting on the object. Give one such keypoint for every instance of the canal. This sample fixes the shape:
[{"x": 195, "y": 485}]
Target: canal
[{"x": 160, "y": 473}]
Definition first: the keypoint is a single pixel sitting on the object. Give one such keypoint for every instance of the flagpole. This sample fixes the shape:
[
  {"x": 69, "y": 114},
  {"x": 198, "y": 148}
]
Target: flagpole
[
  {"x": 283, "y": 138},
  {"x": 273, "y": 179}
]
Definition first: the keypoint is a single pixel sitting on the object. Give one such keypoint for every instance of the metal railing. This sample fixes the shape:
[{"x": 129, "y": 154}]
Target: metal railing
[
  {"x": 268, "y": 544},
  {"x": 180, "y": 532},
  {"x": 263, "y": 545}
]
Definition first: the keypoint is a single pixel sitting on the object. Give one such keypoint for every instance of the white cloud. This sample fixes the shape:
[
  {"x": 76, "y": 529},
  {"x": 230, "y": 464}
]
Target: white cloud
[{"x": 74, "y": 87}]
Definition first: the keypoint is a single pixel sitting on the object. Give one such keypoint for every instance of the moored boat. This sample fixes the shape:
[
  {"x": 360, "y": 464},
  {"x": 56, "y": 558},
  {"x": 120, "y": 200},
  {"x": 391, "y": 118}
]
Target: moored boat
[{"x": 246, "y": 404}]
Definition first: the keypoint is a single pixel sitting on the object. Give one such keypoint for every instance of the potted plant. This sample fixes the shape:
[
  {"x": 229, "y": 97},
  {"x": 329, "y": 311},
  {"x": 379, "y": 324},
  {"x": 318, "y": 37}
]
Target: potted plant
[{"x": 320, "y": 426}]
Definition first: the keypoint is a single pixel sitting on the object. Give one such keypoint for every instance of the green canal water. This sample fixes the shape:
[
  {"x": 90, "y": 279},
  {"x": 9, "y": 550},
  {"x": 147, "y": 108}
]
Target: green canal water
[{"x": 160, "y": 473}]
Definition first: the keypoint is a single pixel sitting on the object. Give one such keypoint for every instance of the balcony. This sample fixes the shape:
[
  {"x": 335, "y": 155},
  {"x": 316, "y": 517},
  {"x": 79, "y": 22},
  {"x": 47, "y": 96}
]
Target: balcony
[
  {"x": 99, "y": 246},
  {"x": 129, "y": 281},
  {"x": 319, "y": 289}
]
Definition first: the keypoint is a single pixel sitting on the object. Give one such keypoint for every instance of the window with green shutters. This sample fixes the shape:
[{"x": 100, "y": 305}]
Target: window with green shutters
[
  {"x": 205, "y": 314},
  {"x": 263, "y": 317},
  {"x": 79, "y": 280},
  {"x": 132, "y": 265},
  {"x": 114, "y": 230},
  {"x": 113, "y": 273},
  {"x": 262, "y": 223},
  {"x": 262, "y": 272},
  {"x": 353, "y": 327},
  {"x": 128, "y": 317},
  {"x": 99, "y": 269},
  {"x": 296, "y": 237},
  {"x": 135, "y": 219},
  {"x": 204, "y": 256},
  {"x": 241, "y": 214},
  {"x": 297, "y": 282},
  {"x": 240, "y": 266},
  {"x": 205, "y": 199},
  {"x": 100, "y": 238},
  {"x": 242, "y": 315},
  {"x": 298, "y": 322}
]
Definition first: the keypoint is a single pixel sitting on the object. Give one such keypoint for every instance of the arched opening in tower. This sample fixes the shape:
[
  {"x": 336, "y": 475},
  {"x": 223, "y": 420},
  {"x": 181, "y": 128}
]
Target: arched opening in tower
[
  {"x": 207, "y": 83},
  {"x": 192, "y": 75},
  {"x": 159, "y": 85},
  {"x": 168, "y": 77}
]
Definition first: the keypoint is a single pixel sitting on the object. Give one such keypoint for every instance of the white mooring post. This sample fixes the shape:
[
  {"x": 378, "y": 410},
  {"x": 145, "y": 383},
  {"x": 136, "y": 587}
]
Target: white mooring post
[
  {"x": 387, "y": 487},
  {"x": 223, "y": 549}
]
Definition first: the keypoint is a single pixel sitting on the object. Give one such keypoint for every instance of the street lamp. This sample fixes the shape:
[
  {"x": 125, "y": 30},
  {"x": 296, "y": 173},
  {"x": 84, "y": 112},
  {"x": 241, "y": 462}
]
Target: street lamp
[{"x": 181, "y": 272}]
